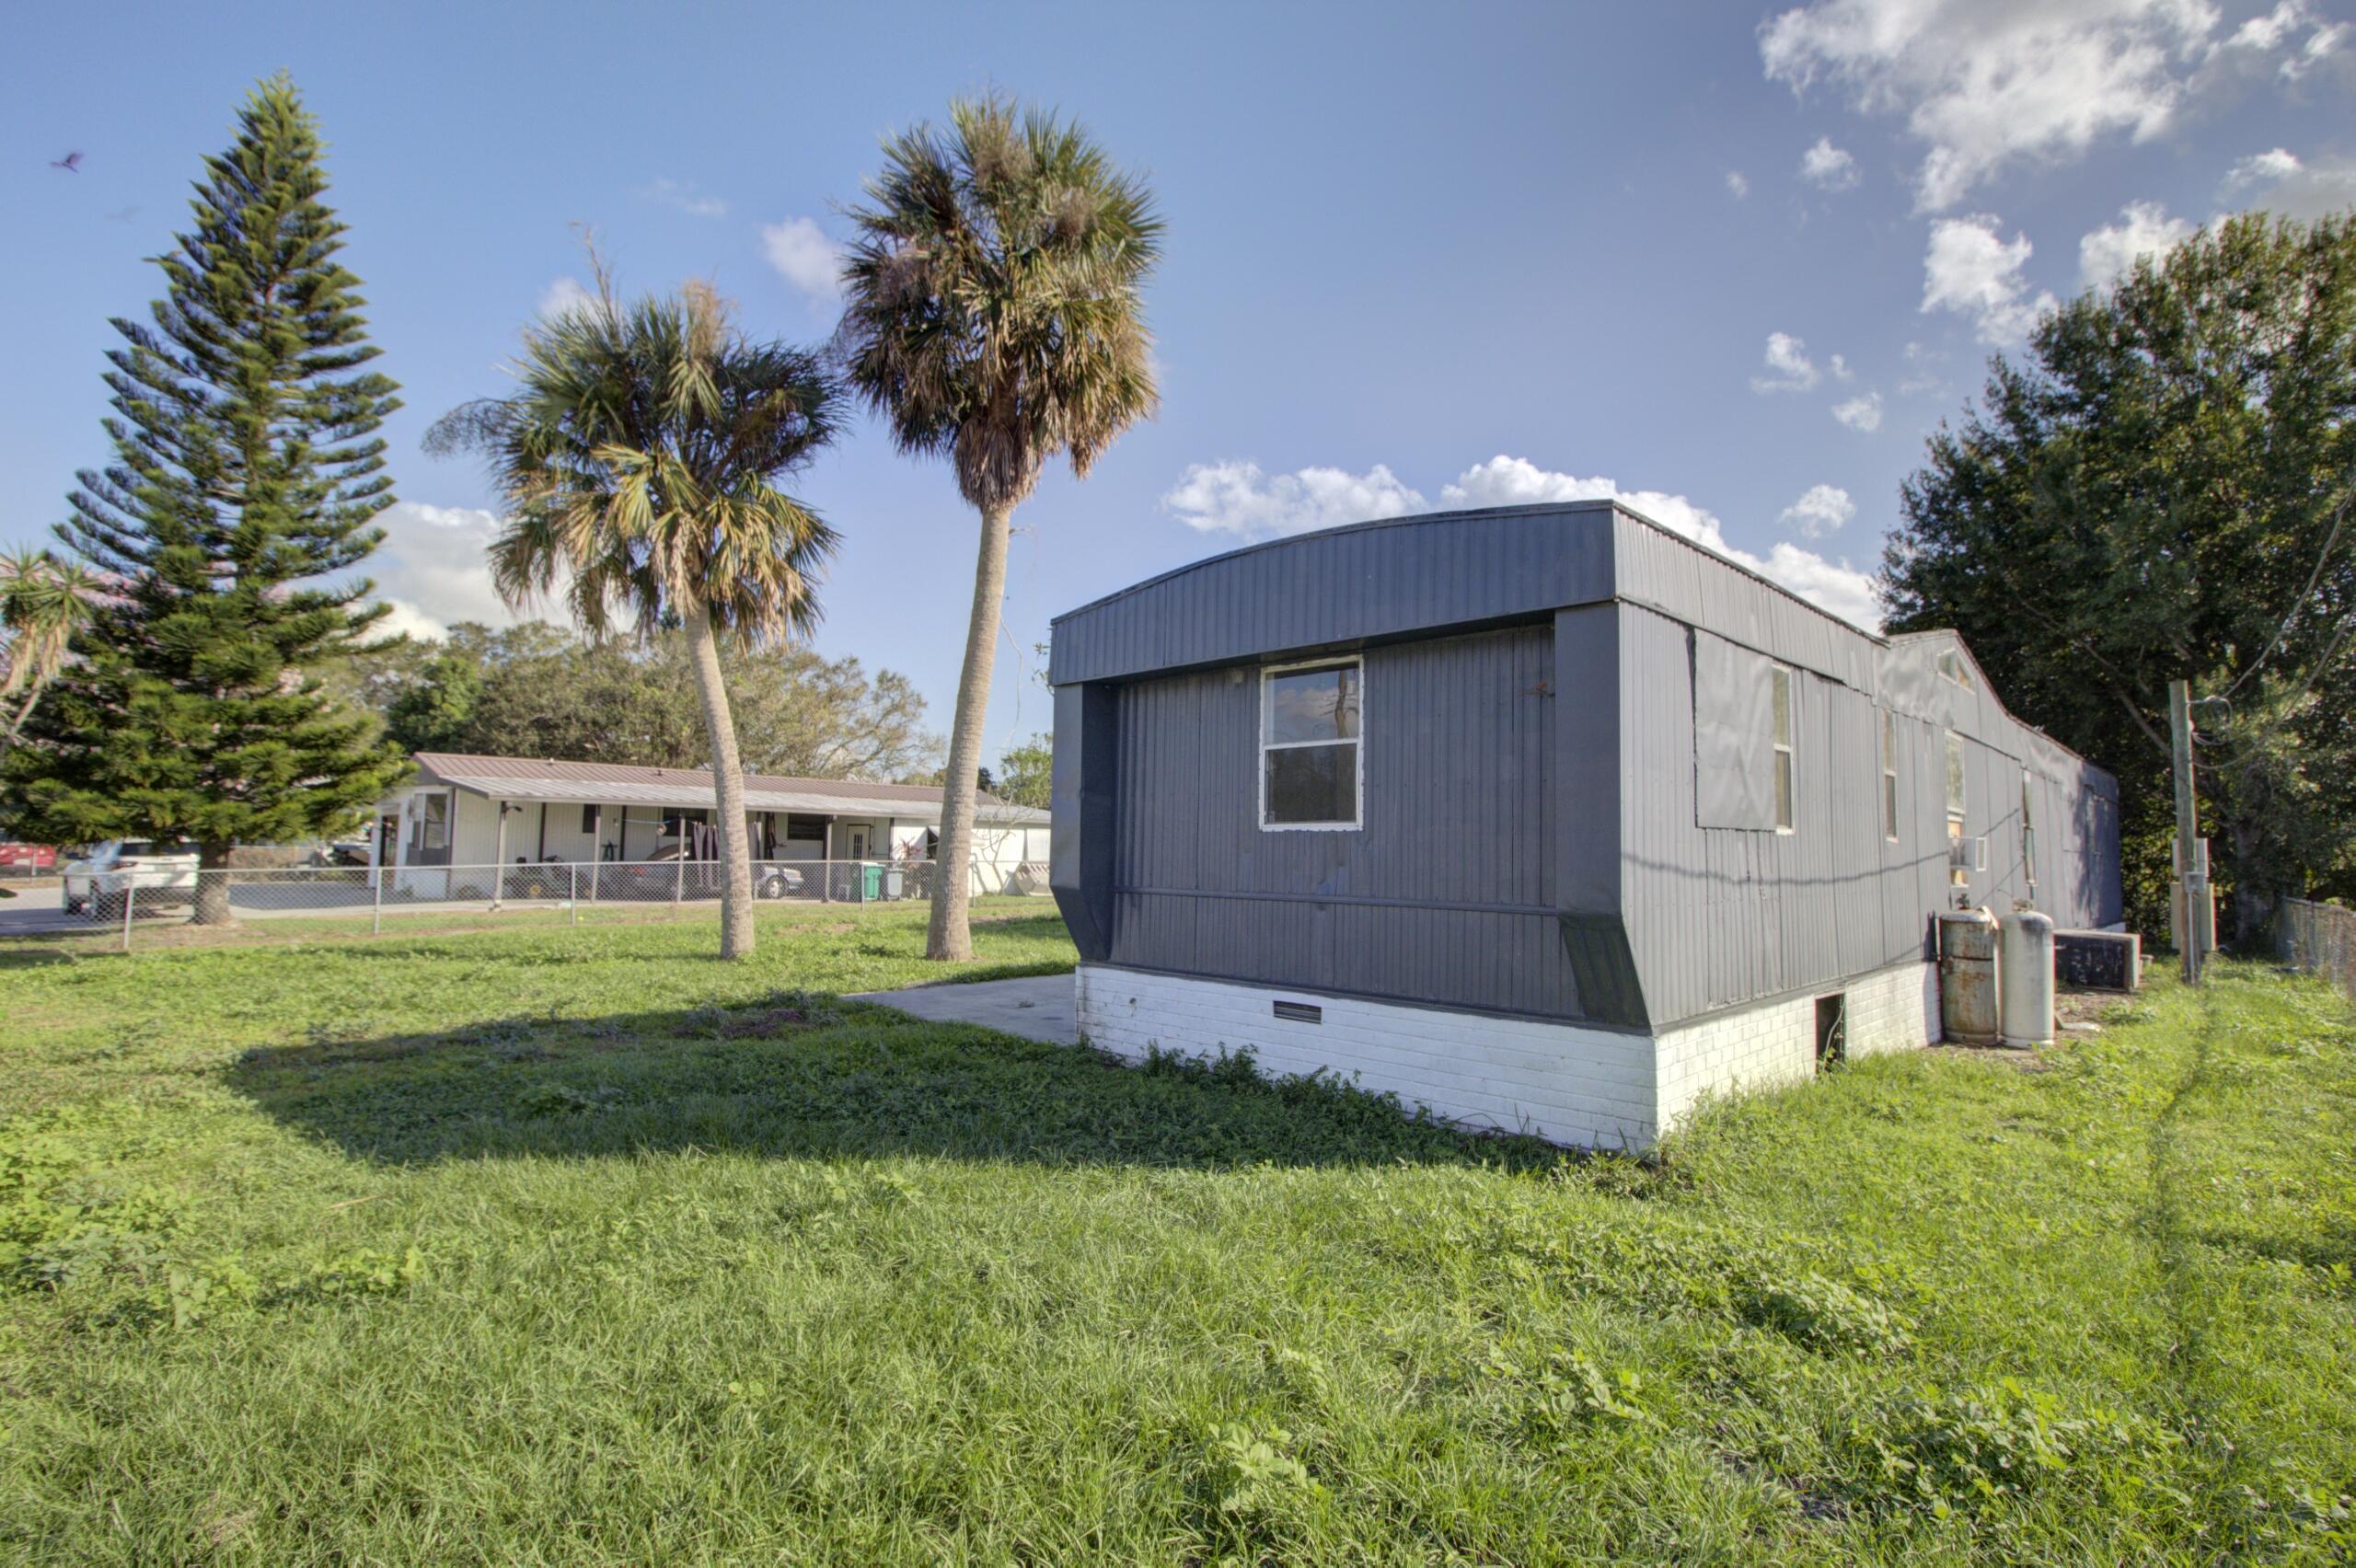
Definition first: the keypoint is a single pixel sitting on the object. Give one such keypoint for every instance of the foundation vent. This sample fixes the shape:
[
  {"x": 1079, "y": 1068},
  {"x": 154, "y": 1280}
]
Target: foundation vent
[{"x": 1301, "y": 1012}]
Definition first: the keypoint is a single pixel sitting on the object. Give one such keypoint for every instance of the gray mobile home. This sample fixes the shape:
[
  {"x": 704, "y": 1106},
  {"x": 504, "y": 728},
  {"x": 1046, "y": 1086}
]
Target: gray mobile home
[{"x": 1547, "y": 817}]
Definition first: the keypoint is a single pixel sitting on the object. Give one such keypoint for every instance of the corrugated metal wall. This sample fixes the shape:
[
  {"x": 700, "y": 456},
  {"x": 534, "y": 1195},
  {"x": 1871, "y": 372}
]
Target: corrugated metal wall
[
  {"x": 1448, "y": 892},
  {"x": 1446, "y": 895},
  {"x": 1373, "y": 581}
]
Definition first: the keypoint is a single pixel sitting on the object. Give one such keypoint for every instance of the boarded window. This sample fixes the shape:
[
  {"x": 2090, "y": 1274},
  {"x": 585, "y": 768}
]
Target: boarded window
[
  {"x": 1310, "y": 764},
  {"x": 1735, "y": 714}
]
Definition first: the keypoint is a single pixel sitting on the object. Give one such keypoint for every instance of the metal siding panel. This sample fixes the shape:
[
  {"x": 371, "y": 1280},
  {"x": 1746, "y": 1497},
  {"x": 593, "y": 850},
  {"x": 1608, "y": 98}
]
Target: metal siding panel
[
  {"x": 1387, "y": 580},
  {"x": 1457, "y": 737}
]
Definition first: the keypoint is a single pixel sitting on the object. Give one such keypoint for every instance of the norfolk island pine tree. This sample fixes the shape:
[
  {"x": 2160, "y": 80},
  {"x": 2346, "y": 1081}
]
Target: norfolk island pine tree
[
  {"x": 992, "y": 316},
  {"x": 246, "y": 471}
]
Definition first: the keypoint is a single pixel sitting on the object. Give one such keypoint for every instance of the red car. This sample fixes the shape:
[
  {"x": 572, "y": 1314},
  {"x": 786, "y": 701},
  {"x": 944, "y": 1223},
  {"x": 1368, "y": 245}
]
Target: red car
[{"x": 26, "y": 859}]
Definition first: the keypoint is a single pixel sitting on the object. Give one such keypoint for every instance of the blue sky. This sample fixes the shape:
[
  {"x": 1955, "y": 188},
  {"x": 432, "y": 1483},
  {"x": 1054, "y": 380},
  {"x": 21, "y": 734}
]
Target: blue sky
[{"x": 1733, "y": 262}]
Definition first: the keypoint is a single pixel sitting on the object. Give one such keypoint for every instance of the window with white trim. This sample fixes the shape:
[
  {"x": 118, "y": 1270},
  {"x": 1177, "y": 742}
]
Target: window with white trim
[
  {"x": 1311, "y": 767},
  {"x": 1952, "y": 666},
  {"x": 1782, "y": 701},
  {"x": 432, "y": 827},
  {"x": 1958, "y": 849},
  {"x": 1889, "y": 776}
]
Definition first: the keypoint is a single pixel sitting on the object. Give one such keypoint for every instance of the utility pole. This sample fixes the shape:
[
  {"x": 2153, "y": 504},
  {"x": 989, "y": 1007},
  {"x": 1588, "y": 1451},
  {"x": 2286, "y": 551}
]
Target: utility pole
[{"x": 2196, "y": 919}]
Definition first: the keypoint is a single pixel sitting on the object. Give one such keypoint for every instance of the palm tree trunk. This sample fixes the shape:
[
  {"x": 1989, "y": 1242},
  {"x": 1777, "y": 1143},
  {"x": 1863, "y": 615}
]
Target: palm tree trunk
[
  {"x": 211, "y": 886},
  {"x": 951, "y": 938},
  {"x": 728, "y": 792}
]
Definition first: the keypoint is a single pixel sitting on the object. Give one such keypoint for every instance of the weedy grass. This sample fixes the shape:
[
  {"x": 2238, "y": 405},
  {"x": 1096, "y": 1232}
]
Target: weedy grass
[{"x": 581, "y": 1247}]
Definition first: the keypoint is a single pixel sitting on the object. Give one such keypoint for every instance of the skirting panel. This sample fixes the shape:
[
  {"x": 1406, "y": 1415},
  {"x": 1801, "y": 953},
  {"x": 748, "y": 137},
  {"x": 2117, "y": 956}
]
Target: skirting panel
[
  {"x": 1774, "y": 1043},
  {"x": 1560, "y": 1082}
]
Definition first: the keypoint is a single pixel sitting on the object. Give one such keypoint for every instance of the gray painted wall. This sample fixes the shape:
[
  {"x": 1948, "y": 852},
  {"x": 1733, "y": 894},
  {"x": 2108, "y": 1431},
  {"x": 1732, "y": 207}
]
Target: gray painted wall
[
  {"x": 1530, "y": 841},
  {"x": 1446, "y": 893}
]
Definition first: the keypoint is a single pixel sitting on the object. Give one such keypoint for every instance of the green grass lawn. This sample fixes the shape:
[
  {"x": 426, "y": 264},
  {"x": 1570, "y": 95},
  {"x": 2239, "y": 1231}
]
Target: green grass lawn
[{"x": 548, "y": 1246}]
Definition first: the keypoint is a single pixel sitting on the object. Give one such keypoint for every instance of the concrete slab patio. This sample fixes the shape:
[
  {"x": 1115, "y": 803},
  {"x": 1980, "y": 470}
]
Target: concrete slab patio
[{"x": 1037, "y": 1008}]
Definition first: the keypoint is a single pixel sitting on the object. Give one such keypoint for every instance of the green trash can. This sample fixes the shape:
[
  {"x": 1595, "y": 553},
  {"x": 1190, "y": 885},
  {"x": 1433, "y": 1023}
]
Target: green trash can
[{"x": 870, "y": 888}]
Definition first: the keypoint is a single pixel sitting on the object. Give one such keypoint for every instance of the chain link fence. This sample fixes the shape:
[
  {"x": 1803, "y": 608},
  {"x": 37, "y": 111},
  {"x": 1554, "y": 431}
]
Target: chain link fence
[
  {"x": 156, "y": 897},
  {"x": 2318, "y": 938}
]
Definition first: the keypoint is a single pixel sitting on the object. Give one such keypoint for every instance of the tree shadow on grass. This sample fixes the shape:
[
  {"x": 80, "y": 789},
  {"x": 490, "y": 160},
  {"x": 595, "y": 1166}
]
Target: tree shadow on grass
[{"x": 802, "y": 1076}]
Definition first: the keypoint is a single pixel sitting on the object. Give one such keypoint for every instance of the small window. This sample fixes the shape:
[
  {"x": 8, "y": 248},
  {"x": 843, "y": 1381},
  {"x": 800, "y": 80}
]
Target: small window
[
  {"x": 1783, "y": 701},
  {"x": 1954, "y": 776},
  {"x": 588, "y": 819},
  {"x": 1952, "y": 666},
  {"x": 1310, "y": 770},
  {"x": 432, "y": 824},
  {"x": 1889, "y": 776}
]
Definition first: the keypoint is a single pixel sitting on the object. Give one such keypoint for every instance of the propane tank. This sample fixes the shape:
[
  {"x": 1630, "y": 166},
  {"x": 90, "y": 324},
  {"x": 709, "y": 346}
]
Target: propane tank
[
  {"x": 2027, "y": 947},
  {"x": 1967, "y": 967}
]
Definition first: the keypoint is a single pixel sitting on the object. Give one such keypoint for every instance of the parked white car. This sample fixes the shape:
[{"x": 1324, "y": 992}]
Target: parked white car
[{"x": 154, "y": 872}]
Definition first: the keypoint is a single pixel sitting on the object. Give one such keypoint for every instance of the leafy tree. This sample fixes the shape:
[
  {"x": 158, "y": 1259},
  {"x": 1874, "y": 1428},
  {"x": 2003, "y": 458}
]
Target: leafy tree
[
  {"x": 2162, "y": 491},
  {"x": 639, "y": 463},
  {"x": 1027, "y": 772},
  {"x": 993, "y": 316},
  {"x": 433, "y": 714},
  {"x": 43, "y": 603},
  {"x": 533, "y": 691},
  {"x": 246, "y": 470}
]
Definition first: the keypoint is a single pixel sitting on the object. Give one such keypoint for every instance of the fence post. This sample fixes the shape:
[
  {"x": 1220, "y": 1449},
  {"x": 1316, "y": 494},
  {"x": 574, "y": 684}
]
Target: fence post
[
  {"x": 679, "y": 882},
  {"x": 131, "y": 897},
  {"x": 376, "y": 901},
  {"x": 573, "y": 894}
]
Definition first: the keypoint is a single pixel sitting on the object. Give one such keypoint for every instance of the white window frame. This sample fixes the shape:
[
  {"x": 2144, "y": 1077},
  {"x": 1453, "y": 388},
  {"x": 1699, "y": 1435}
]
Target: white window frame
[
  {"x": 1889, "y": 776},
  {"x": 1788, "y": 747},
  {"x": 1268, "y": 673}
]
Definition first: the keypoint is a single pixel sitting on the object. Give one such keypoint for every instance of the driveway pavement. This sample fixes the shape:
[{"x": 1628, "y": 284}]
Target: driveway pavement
[{"x": 1038, "y": 1007}]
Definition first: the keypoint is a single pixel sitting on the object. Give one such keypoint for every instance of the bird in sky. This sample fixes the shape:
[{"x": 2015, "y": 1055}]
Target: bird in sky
[{"x": 71, "y": 163}]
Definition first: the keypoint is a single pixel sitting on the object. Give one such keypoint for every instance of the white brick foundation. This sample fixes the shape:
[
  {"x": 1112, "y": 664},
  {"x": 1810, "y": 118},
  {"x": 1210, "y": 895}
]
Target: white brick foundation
[
  {"x": 1559, "y": 1081},
  {"x": 1566, "y": 1083},
  {"x": 1774, "y": 1043}
]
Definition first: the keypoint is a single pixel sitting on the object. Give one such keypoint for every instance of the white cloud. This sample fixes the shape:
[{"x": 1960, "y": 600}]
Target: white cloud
[
  {"x": 1827, "y": 165},
  {"x": 1821, "y": 510},
  {"x": 806, "y": 258},
  {"x": 2264, "y": 168},
  {"x": 1238, "y": 498},
  {"x": 2144, "y": 228},
  {"x": 1985, "y": 86},
  {"x": 2278, "y": 183},
  {"x": 685, "y": 197},
  {"x": 1738, "y": 186},
  {"x": 1840, "y": 371},
  {"x": 1970, "y": 268},
  {"x": 434, "y": 569},
  {"x": 1860, "y": 413},
  {"x": 564, "y": 295},
  {"x": 1793, "y": 371},
  {"x": 1925, "y": 376},
  {"x": 2272, "y": 31},
  {"x": 1835, "y": 586}
]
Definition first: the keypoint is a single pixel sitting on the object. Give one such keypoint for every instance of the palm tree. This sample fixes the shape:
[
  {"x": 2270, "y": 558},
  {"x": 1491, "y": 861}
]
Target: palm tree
[
  {"x": 43, "y": 601},
  {"x": 639, "y": 465},
  {"x": 992, "y": 316}
]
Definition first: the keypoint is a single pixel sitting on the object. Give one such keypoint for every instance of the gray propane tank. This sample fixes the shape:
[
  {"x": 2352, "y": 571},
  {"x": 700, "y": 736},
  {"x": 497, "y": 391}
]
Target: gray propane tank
[
  {"x": 1968, "y": 1013},
  {"x": 2027, "y": 947}
]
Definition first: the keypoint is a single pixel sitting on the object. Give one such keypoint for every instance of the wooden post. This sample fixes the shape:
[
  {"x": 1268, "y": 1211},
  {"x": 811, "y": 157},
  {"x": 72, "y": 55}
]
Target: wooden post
[
  {"x": 130, "y": 897},
  {"x": 2192, "y": 874}
]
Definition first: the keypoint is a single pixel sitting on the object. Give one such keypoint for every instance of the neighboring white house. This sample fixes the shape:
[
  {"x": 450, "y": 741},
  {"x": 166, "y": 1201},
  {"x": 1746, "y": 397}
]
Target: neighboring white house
[{"x": 461, "y": 811}]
